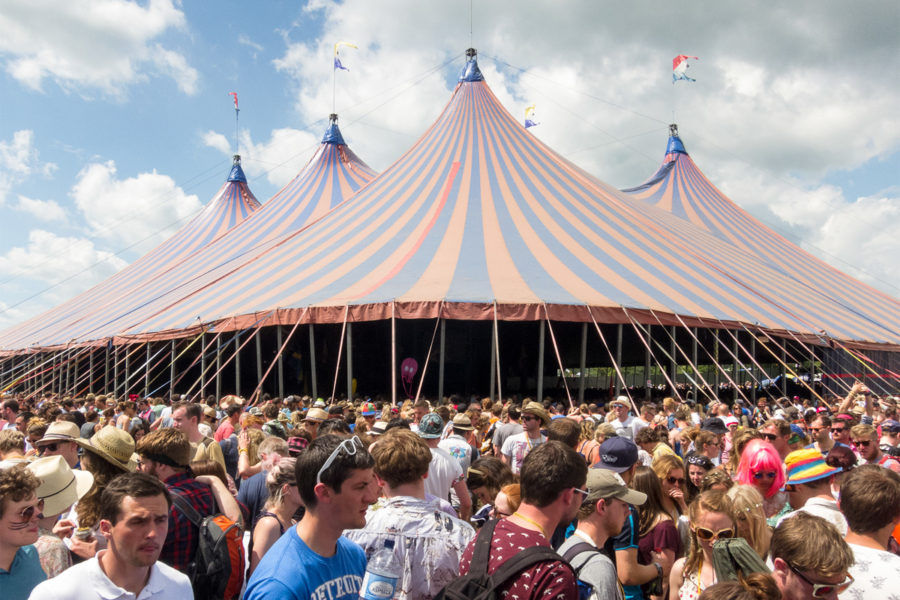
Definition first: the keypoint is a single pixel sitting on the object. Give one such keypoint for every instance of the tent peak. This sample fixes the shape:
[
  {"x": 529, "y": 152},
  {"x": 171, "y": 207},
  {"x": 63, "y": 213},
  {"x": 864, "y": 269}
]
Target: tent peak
[
  {"x": 333, "y": 133},
  {"x": 675, "y": 144},
  {"x": 237, "y": 173},
  {"x": 470, "y": 71}
]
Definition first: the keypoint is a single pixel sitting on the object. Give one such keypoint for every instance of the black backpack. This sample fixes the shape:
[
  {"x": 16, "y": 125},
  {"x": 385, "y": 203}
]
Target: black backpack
[
  {"x": 217, "y": 571},
  {"x": 477, "y": 584}
]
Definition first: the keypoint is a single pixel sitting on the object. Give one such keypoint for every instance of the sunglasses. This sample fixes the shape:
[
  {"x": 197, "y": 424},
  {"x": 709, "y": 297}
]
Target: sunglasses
[
  {"x": 530, "y": 418},
  {"x": 708, "y": 534},
  {"x": 675, "y": 480},
  {"x": 862, "y": 443},
  {"x": 770, "y": 436},
  {"x": 36, "y": 510},
  {"x": 823, "y": 590},
  {"x": 349, "y": 446},
  {"x": 838, "y": 429},
  {"x": 766, "y": 474},
  {"x": 51, "y": 447}
]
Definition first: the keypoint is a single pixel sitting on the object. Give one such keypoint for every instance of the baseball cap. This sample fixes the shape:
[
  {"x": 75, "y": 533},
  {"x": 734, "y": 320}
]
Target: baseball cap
[
  {"x": 617, "y": 454},
  {"x": 890, "y": 426},
  {"x": 431, "y": 426},
  {"x": 603, "y": 483},
  {"x": 369, "y": 410},
  {"x": 729, "y": 421}
]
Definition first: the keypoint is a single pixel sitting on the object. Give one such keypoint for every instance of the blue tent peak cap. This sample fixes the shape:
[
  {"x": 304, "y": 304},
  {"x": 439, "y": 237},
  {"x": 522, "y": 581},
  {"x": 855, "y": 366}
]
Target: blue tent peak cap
[
  {"x": 333, "y": 134},
  {"x": 675, "y": 144},
  {"x": 470, "y": 71},
  {"x": 237, "y": 173}
]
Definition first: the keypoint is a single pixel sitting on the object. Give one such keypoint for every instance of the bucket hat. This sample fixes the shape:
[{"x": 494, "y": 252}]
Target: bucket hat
[{"x": 61, "y": 486}]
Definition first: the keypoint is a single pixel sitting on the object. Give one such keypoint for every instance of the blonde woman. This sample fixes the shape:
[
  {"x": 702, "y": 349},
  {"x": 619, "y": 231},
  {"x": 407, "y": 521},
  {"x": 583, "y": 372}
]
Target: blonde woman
[
  {"x": 712, "y": 518},
  {"x": 750, "y": 518},
  {"x": 278, "y": 512},
  {"x": 587, "y": 445}
]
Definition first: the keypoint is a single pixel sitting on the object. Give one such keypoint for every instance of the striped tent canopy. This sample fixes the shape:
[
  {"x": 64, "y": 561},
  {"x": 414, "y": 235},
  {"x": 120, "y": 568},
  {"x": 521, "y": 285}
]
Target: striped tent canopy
[
  {"x": 681, "y": 189},
  {"x": 332, "y": 174},
  {"x": 480, "y": 220},
  {"x": 233, "y": 203}
]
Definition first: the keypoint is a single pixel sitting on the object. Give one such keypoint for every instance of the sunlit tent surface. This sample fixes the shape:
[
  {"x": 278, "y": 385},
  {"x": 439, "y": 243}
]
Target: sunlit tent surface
[
  {"x": 332, "y": 174},
  {"x": 233, "y": 203},
  {"x": 681, "y": 189},
  {"x": 480, "y": 219}
]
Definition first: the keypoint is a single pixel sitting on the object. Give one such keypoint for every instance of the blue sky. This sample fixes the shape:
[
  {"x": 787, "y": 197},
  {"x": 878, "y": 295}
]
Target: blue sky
[{"x": 117, "y": 125}]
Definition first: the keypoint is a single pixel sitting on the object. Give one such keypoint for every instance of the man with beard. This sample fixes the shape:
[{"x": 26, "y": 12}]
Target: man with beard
[
  {"x": 865, "y": 438},
  {"x": 134, "y": 518}
]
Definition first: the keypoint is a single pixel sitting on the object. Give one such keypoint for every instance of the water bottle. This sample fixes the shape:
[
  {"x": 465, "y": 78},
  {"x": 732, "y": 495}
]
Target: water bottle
[{"x": 382, "y": 572}]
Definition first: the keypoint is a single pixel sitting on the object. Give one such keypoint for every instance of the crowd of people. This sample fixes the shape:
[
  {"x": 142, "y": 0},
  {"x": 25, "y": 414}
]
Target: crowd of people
[{"x": 102, "y": 497}]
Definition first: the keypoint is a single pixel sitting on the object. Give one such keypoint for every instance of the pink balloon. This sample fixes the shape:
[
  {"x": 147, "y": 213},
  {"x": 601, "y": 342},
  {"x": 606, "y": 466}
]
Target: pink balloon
[{"x": 408, "y": 369}]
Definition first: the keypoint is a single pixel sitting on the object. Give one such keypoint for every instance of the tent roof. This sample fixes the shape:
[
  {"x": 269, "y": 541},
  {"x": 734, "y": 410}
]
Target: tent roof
[{"x": 680, "y": 188}]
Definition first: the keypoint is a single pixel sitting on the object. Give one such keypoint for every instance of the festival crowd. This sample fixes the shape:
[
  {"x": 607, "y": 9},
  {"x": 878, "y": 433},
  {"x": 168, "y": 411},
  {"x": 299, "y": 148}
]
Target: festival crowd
[{"x": 219, "y": 498}]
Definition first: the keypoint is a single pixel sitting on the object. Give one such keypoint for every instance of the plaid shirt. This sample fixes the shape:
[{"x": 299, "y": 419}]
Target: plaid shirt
[{"x": 182, "y": 539}]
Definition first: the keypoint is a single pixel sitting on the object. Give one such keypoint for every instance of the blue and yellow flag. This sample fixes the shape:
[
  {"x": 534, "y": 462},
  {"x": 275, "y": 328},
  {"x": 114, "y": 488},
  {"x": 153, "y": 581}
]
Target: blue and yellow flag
[{"x": 337, "y": 58}]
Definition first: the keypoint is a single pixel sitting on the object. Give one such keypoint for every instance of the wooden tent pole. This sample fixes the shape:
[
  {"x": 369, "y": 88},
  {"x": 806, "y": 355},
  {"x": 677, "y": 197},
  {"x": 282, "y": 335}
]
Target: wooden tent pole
[
  {"x": 496, "y": 338},
  {"x": 280, "y": 333},
  {"x": 441, "y": 363},
  {"x": 647, "y": 379},
  {"x": 694, "y": 363},
  {"x": 620, "y": 381},
  {"x": 350, "y": 362},
  {"x": 393, "y": 354},
  {"x": 337, "y": 363},
  {"x": 203, "y": 365},
  {"x": 582, "y": 364},
  {"x": 312, "y": 362},
  {"x": 218, "y": 369},
  {"x": 237, "y": 365},
  {"x": 540, "y": 367},
  {"x": 147, "y": 373},
  {"x": 259, "y": 369},
  {"x": 171, "y": 369}
]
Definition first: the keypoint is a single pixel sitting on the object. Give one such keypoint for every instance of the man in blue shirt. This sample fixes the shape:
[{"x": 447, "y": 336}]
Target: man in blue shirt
[
  {"x": 20, "y": 511},
  {"x": 313, "y": 559}
]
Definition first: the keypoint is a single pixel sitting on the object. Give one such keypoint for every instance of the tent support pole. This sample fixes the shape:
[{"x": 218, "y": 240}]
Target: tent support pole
[
  {"x": 618, "y": 358},
  {"x": 280, "y": 334},
  {"x": 647, "y": 379},
  {"x": 784, "y": 367},
  {"x": 673, "y": 364},
  {"x": 237, "y": 365},
  {"x": 694, "y": 358},
  {"x": 73, "y": 376},
  {"x": 393, "y": 356},
  {"x": 259, "y": 371},
  {"x": 203, "y": 365},
  {"x": 219, "y": 367},
  {"x": 106, "y": 370},
  {"x": 493, "y": 364},
  {"x": 147, "y": 373},
  {"x": 91, "y": 367},
  {"x": 753, "y": 366},
  {"x": 172, "y": 369},
  {"x": 540, "y": 366},
  {"x": 812, "y": 368},
  {"x": 441, "y": 361},
  {"x": 350, "y": 362},
  {"x": 312, "y": 361},
  {"x": 716, "y": 359},
  {"x": 737, "y": 365},
  {"x": 582, "y": 364}
]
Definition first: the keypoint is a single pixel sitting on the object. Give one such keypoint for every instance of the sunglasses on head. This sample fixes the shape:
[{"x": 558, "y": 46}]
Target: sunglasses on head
[
  {"x": 823, "y": 590},
  {"x": 675, "y": 480},
  {"x": 767, "y": 474},
  {"x": 349, "y": 446},
  {"x": 708, "y": 534}
]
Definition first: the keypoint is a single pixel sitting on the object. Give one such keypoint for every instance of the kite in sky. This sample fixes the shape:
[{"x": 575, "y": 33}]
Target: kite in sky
[
  {"x": 337, "y": 58},
  {"x": 680, "y": 66}
]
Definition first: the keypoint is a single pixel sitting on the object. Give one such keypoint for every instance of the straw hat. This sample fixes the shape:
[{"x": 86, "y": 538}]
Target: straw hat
[
  {"x": 316, "y": 415},
  {"x": 536, "y": 409},
  {"x": 61, "y": 486},
  {"x": 462, "y": 422},
  {"x": 113, "y": 445},
  {"x": 60, "y": 431}
]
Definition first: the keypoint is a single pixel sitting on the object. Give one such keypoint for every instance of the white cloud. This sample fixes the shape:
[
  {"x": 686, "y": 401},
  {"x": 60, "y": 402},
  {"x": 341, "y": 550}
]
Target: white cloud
[
  {"x": 104, "y": 44},
  {"x": 137, "y": 212},
  {"x": 65, "y": 265},
  {"x": 18, "y": 160},
  {"x": 43, "y": 210},
  {"x": 244, "y": 40},
  {"x": 279, "y": 158},
  {"x": 216, "y": 140}
]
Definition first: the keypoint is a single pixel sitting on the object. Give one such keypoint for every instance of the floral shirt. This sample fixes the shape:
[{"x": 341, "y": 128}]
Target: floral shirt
[
  {"x": 430, "y": 543},
  {"x": 55, "y": 557},
  {"x": 874, "y": 575}
]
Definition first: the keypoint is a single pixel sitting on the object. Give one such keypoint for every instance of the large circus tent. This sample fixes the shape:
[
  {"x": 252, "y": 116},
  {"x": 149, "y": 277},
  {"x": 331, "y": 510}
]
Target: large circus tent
[{"x": 485, "y": 255}]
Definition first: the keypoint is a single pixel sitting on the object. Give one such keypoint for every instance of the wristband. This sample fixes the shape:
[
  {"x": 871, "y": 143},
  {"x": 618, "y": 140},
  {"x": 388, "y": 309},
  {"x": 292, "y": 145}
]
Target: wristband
[
  {"x": 659, "y": 570},
  {"x": 243, "y": 450}
]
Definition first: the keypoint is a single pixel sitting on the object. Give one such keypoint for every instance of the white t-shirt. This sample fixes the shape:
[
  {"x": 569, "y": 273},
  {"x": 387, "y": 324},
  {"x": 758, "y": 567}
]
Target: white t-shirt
[
  {"x": 874, "y": 574},
  {"x": 624, "y": 428},
  {"x": 637, "y": 424},
  {"x": 516, "y": 448},
  {"x": 459, "y": 449},
  {"x": 443, "y": 472},
  {"x": 87, "y": 581},
  {"x": 822, "y": 507}
]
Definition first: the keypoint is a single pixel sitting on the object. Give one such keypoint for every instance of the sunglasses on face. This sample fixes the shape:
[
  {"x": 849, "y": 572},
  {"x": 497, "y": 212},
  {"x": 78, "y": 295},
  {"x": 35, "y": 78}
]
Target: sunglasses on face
[
  {"x": 675, "y": 480},
  {"x": 823, "y": 590},
  {"x": 837, "y": 429},
  {"x": 770, "y": 436},
  {"x": 708, "y": 534},
  {"x": 764, "y": 474},
  {"x": 36, "y": 510},
  {"x": 50, "y": 447},
  {"x": 530, "y": 418},
  {"x": 862, "y": 443}
]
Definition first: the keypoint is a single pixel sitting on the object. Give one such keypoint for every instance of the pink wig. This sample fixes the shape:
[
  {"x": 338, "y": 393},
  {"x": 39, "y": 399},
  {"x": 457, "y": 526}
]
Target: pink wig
[{"x": 761, "y": 456}]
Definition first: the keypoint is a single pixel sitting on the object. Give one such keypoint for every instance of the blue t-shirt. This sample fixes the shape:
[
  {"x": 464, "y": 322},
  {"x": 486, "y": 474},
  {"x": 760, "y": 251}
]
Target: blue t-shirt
[
  {"x": 291, "y": 570},
  {"x": 628, "y": 538},
  {"x": 24, "y": 574},
  {"x": 254, "y": 493}
]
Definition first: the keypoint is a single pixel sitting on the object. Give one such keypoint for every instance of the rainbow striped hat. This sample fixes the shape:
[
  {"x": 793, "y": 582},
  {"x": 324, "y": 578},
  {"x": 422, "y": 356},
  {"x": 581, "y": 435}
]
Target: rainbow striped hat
[{"x": 807, "y": 465}]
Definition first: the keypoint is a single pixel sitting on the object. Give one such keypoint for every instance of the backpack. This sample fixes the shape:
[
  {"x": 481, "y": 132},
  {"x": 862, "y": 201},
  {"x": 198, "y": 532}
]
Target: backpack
[
  {"x": 584, "y": 589},
  {"x": 477, "y": 584},
  {"x": 217, "y": 571}
]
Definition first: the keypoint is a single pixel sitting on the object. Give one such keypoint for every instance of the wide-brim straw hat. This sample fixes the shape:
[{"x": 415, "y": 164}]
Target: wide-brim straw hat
[
  {"x": 534, "y": 408},
  {"x": 113, "y": 445},
  {"x": 60, "y": 431},
  {"x": 61, "y": 486}
]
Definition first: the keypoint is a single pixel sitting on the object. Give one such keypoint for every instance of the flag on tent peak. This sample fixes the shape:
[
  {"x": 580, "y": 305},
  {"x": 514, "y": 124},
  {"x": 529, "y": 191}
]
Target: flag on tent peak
[
  {"x": 337, "y": 58},
  {"x": 529, "y": 113},
  {"x": 234, "y": 96},
  {"x": 680, "y": 66}
]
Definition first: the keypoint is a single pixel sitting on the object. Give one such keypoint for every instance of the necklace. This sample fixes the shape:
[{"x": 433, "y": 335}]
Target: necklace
[{"x": 533, "y": 522}]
